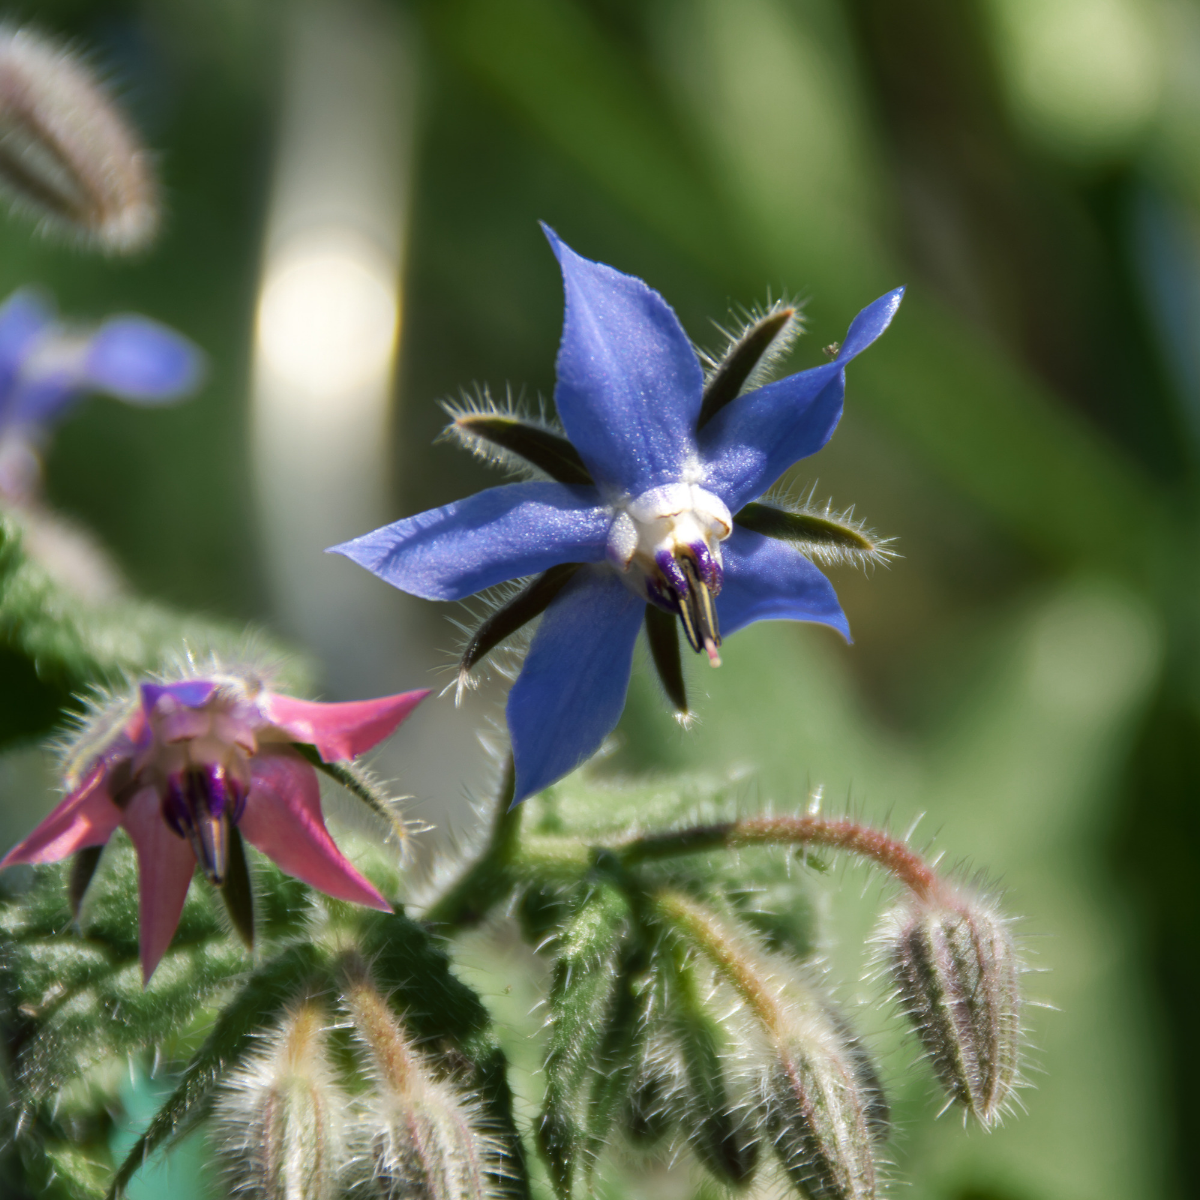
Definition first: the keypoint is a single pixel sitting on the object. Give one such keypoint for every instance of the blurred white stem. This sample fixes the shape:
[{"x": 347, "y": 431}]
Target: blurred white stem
[{"x": 328, "y": 328}]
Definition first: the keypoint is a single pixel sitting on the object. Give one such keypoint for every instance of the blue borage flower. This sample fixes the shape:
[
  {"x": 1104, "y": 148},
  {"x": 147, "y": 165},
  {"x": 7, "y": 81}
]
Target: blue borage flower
[
  {"x": 647, "y": 514},
  {"x": 46, "y": 366}
]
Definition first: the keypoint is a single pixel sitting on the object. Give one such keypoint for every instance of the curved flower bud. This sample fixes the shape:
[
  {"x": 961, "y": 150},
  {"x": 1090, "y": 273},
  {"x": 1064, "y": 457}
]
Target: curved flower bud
[
  {"x": 821, "y": 1099},
  {"x": 426, "y": 1139},
  {"x": 280, "y": 1119},
  {"x": 825, "y": 1109},
  {"x": 956, "y": 973},
  {"x": 66, "y": 153}
]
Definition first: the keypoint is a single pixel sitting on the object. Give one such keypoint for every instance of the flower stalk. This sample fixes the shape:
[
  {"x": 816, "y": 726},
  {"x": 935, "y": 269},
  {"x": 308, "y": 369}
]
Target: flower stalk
[{"x": 834, "y": 833}]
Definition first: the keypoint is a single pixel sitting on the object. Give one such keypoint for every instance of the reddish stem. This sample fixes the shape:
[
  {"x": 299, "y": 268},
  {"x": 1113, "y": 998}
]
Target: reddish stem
[{"x": 839, "y": 834}]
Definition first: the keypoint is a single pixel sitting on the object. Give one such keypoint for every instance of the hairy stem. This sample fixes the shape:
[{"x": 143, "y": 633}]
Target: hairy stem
[
  {"x": 707, "y": 932},
  {"x": 490, "y": 878},
  {"x": 893, "y": 855}
]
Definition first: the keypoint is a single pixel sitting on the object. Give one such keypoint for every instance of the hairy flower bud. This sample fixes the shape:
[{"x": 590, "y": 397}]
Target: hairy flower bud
[
  {"x": 66, "y": 153},
  {"x": 424, "y": 1137},
  {"x": 825, "y": 1109},
  {"x": 280, "y": 1117},
  {"x": 956, "y": 973},
  {"x": 820, "y": 1096}
]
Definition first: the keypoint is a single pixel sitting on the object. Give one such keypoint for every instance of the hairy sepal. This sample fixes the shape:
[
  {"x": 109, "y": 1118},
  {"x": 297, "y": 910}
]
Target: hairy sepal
[
  {"x": 515, "y": 441},
  {"x": 753, "y": 349},
  {"x": 824, "y": 535}
]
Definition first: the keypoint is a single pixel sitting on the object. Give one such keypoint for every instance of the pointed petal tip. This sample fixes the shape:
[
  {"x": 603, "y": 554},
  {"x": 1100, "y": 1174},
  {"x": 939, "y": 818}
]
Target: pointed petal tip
[
  {"x": 345, "y": 729},
  {"x": 870, "y": 323},
  {"x": 556, "y": 243}
]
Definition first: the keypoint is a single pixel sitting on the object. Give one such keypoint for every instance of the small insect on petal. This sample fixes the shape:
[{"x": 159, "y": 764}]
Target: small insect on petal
[{"x": 66, "y": 152}]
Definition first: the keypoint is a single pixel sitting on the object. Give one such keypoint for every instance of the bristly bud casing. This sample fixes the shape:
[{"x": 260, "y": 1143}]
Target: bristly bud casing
[
  {"x": 66, "y": 152},
  {"x": 957, "y": 974},
  {"x": 819, "y": 1095},
  {"x": 280, "y": 1117},
  {"x": 825, "y": 1110},
  {"x": 424, "y": 1138}
]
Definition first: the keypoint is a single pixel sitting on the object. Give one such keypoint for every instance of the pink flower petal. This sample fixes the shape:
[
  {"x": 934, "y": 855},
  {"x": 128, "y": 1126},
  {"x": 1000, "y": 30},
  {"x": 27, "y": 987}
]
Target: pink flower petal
[
  {"x": 283, "y": 818},
  {"x": 165, "y": 867},
  {"x": 86, "y": 817},
  {"x": 340, "y": 730}
]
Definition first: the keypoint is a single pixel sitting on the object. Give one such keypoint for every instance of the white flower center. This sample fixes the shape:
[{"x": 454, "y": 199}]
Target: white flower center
[{"x": 667, "y": 544}]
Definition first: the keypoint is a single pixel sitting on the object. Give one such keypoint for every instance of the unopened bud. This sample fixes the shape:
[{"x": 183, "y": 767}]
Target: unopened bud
[
  {"x": 280, "y": 1117},
  {"x": 957, "y": 972},
  {"x": 66, "y": 153},
  {"x": 426, "y": 1146},
  {"x": 825, "y": 1109},
  {"x": 820, "y": 1096},
  {"x": 425, "y": 1138}
]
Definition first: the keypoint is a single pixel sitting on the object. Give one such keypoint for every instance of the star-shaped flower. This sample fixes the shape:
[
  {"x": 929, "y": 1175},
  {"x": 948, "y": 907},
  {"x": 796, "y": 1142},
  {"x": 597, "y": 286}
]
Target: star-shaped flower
[
  {"x": 647, "y": 514},
  {"x": 190, "y": 766},
  {"x": 46, "y": 366}
]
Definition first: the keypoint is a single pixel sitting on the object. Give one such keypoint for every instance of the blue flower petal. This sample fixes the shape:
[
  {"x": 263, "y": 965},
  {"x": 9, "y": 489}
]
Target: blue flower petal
[
  {"x": 629, "y": 383},
  {"x": 23, "y": 318},
  {"x": 572, "y": 688},
  {"x": 753, "y": 440},
  {"x": 39, "y": 397},
  {"x": 503, "y": 533},
  {"x": 141, "y": 361},
  {"x": 768, "y": 580}
]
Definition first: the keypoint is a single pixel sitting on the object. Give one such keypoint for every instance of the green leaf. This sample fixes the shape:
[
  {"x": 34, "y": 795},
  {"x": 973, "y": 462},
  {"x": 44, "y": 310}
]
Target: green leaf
[
  {"x": 583, "y": 994},
  {"x": 819, "y": 534},
  {"x": 360, "y": 784},
  {"x": 619, "y": 1057},
  {"x": 719, "y": 1126},
  {"x": 442, "y": 1012},
  {"x": 256, "y": 1006},
  {"x": 741, "y": 361},
  {"x": 237, "y": 892}
]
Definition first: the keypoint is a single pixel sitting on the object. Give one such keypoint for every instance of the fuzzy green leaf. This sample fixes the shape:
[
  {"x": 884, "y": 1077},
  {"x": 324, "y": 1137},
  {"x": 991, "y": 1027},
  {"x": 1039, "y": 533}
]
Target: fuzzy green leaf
[
  {"x": 582, "y": 996},
  {"x": 256, "y": 1007},
  {"x": 359, "y": 783},
  {"x": 541, "y": 448}
]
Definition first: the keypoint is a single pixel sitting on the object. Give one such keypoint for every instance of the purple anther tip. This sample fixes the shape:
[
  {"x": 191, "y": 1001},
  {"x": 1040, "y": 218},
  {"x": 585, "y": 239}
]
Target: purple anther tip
[
  {"x": 710, "y": 569},
  {"x": 672, "y": 571}
]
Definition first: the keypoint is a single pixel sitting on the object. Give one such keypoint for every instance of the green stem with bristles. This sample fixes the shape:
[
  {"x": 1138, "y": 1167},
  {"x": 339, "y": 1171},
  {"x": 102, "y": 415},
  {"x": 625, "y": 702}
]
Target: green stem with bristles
[{"x": 490, "y": 878}]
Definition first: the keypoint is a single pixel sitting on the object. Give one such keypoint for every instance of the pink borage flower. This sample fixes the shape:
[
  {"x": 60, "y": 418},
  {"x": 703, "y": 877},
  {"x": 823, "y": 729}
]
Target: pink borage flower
[{"x": 182, "y": 763}]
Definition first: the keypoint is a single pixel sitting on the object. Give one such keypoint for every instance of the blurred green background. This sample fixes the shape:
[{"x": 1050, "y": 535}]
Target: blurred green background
[{"x": 1025, "y": 674}]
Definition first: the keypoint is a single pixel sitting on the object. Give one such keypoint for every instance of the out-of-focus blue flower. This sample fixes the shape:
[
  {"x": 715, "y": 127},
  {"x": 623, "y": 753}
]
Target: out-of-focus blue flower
[
  {"x": 47, "y": 366},
  {"x": 655, "y": 524}
]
